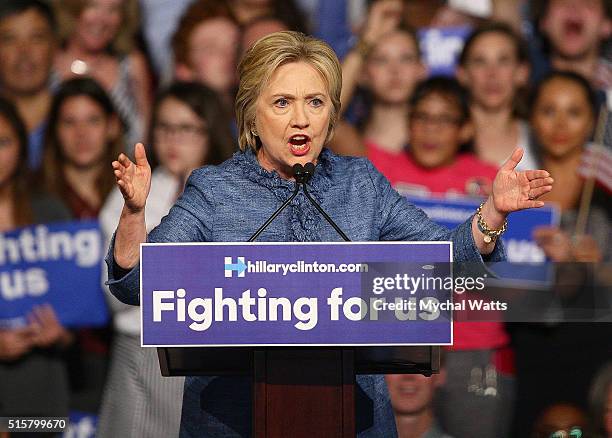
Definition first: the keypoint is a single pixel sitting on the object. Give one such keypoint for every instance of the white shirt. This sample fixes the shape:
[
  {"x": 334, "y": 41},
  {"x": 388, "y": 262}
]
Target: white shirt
[
  {"x": 164, "y": 189},
  {"x": 528, "y": 162}
]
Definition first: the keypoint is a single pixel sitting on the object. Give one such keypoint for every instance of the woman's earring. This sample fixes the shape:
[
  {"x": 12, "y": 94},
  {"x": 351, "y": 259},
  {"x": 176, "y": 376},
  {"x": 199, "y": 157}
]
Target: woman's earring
[{"x": 253, "y": 130}]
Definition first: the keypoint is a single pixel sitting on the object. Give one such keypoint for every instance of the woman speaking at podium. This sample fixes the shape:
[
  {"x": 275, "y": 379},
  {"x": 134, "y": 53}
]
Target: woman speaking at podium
[{"x": 287, "y": 105}]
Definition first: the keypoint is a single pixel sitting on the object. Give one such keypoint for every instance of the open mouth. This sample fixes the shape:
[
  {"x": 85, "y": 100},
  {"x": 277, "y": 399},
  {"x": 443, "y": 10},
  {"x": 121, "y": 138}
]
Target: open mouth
[
  {"x": 299, "y": 144},
  {"x": 573, "y": 27}
]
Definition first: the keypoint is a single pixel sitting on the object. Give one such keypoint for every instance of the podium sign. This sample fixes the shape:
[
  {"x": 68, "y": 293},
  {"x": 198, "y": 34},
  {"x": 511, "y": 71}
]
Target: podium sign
[{"x": 293, "y": 294}]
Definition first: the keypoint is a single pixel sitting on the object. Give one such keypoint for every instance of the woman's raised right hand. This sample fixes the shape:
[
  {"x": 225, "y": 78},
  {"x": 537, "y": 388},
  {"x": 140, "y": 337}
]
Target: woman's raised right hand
[{"x": 134, "y": 179}]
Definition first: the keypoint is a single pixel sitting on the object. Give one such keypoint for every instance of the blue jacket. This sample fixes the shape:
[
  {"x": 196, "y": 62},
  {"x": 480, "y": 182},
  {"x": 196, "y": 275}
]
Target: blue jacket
[{"x": 228, "y": 203}]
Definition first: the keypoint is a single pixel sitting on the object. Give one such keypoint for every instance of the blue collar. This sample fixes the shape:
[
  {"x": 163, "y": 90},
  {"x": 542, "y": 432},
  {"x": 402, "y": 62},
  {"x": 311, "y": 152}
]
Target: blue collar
[
  {"x": 246, "y": 163},
  {"x": 305, "y": 220}
]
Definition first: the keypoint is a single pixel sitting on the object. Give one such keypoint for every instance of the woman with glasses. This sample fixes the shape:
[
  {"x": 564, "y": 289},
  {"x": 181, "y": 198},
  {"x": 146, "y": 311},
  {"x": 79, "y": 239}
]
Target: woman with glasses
[
  {"x": 188, "y": 131},
  {"x": 437, "y": 164}
]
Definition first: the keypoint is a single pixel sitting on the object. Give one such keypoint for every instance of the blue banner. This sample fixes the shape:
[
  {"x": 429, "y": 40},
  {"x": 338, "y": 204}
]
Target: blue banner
[
  {"x": 526, "y": 260},
  {"x": 58, "y": 264},
  {"x": 441, "y": 48},
  {"x": 81, "y": 425},
  {"x": 279, "y": 294}
]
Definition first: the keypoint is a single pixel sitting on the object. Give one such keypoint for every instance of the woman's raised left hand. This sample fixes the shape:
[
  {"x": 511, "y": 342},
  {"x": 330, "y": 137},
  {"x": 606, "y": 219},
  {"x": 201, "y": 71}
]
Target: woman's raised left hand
[{"x": 518, "y": 190}]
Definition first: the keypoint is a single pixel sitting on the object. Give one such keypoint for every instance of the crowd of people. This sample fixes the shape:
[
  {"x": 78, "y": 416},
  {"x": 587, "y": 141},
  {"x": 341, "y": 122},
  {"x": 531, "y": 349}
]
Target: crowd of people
[{"x": 82, "y": 81}]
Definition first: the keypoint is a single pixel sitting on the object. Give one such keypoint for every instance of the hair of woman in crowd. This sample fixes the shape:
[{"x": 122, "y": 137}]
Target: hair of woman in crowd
[
  {"x": 31, "y": 379},
  {"x": 189, "y": 129},
  {"x": 56, "y": 157},
  {"x": 14, "y": 171},
  {"x": 204, "y": 104},
  {"x": 494, "y": 66},
  {"x": 258, "y": 28},
  {"x": 286, "y": 11},
  {"x": 378, "y": 84},
  {"x": 122, "y": 43},
  {"x": 538, "y": 113},
  {"x": 447, "y": 87},
  {"x": 99, "y": 40},
  {"x": 563, "y": 116},
  {"x": 390, "y": 70},
  {"x": 519, "y": 50},
  {"x": 205, "y": 47},
  {"x": 455, "y": 98}
]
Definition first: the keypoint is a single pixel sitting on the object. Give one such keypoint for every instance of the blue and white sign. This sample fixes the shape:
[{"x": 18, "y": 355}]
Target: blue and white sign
[
  {"x": 281, "y": 294},
  {"x": 81, "y": 425},
  {"x": 441, "y": 48},
  {"x": 58, "y": 264},
  {"x": 526, "y": 260}
]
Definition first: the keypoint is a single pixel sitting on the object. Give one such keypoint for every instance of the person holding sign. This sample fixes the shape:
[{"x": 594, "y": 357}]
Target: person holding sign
[
  {"x": 436, "y": 165},
  {"x": 84, "y": 131},
  {"x": 563, "y": 117},
  {"x": 33, "y": 376},
  {"x": 287, "y": 105}
]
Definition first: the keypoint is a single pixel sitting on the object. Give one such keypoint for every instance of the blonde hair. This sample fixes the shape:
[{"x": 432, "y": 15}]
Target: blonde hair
[
  {"x": 68, "y": 12},
  {"x": 261, "y": 61}
]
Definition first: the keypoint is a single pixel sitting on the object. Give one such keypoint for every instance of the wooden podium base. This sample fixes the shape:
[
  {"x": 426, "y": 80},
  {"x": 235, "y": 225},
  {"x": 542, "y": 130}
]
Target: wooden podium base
[
  {"x": 301, "y": 391},
  {"x": 304, "y": 393}
]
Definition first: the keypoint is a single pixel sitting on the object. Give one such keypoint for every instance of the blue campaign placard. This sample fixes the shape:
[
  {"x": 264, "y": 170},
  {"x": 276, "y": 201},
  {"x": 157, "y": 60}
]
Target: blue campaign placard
[
  {"x": 57, "y": 264},
  {"x": 81, "y": 425},
  {"x": 526, "y": 262},
  {"x": 441, "y": 48},
  {"x": 280, "y": 294}
]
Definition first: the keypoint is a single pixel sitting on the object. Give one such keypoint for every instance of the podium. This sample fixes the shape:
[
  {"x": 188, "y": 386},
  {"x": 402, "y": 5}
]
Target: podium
[
  {"x": 304, "y": 391},
  {"x": 303, "y": 380}
]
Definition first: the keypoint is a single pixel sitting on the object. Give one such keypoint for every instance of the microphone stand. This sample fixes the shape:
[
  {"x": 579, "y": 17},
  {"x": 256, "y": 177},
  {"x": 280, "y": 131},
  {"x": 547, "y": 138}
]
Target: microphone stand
[
  {"x": 276, "y": 213},
  {"x": 302, "y": 175},
  {"x": 325, "y": 215},
  {"x": 308, "y": 170}
]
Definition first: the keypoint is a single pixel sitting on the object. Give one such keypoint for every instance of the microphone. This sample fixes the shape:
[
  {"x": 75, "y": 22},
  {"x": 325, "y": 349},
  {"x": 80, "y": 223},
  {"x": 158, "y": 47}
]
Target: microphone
[
  {"x": 308, "y": 172},
  {"x": 302, "y": 175}
]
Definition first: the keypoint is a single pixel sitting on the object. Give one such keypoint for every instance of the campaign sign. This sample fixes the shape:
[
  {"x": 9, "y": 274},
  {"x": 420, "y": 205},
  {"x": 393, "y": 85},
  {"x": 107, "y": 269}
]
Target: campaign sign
[
  {"x": 441, "y": 48},
  {"x": 81, "y": 425},
  {"x": 292, "y": 294},
  {"x": 58, "y": 264},
  {"x": 525, "y": 266}
]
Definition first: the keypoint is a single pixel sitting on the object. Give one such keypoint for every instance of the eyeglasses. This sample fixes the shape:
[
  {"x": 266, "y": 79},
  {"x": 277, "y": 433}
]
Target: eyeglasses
[
  {"x": 180, "y": 130},
  {"x": 443, "y": 120}
]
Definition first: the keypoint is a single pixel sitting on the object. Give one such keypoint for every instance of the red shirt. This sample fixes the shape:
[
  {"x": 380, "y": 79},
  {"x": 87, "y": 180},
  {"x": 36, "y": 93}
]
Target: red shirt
[{"x": 467, "y": 175}]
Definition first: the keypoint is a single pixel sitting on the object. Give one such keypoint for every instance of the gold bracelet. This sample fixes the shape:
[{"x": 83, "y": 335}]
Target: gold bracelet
[{"x": 489, "y": 234}]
